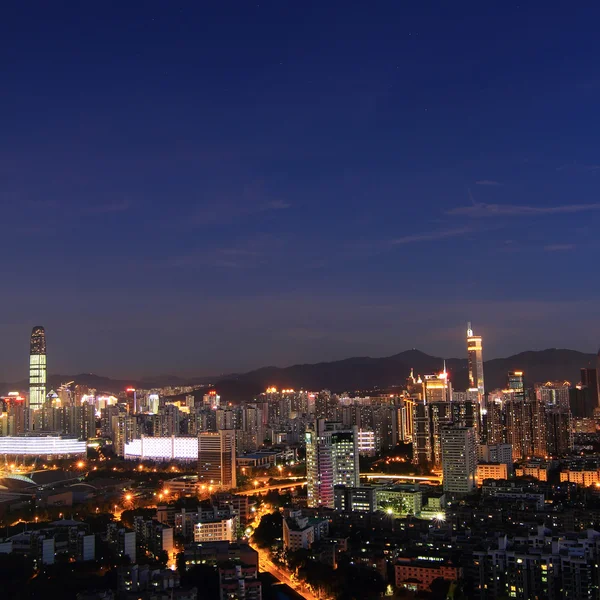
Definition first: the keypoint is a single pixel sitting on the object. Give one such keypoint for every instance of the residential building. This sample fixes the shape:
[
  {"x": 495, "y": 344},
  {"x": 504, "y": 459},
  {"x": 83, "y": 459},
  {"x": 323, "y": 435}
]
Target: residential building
[{"x": 459, "y": 459}]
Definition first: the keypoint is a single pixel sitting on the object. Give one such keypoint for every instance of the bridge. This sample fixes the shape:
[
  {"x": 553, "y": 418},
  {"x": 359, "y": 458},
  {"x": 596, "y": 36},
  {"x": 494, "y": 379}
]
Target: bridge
[
  {"x": 424, "y": 478},
  {"x": 270, "y": 488}
]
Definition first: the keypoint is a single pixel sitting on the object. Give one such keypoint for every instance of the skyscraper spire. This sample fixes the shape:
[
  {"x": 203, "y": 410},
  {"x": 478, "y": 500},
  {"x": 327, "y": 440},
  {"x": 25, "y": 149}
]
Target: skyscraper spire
[{"x": 469, "y": 330}]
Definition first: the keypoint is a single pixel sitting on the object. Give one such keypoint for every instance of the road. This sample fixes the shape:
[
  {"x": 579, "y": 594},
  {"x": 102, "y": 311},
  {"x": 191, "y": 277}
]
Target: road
[{"x": 265, "y": 564}]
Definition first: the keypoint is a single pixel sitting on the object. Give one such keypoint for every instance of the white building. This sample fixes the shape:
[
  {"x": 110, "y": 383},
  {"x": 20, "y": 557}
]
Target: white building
[
  {"x": 55, "y": 446},
  {"x": 215, "y": 531},
  {"x": 297, "y": 533},
  {"x": 162, "y": 448},
  {"x": 459, "y": 459}
]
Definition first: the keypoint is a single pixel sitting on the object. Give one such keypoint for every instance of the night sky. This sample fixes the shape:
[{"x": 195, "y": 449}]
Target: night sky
[{"x": 207, "y": 187}]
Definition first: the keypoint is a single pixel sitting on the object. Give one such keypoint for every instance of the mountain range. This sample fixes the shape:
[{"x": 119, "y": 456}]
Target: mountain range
[{"x": 357, "y": 373}]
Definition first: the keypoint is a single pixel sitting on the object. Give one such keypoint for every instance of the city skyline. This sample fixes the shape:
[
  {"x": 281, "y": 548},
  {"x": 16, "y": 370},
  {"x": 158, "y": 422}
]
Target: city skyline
[
  {"x": 473, "y": 357},
  {"x": 250, "y": 192}
]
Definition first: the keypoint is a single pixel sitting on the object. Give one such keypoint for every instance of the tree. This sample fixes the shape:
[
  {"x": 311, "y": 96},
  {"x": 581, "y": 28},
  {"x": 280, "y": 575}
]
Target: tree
[
  {"x": 204, "y": 577},
  {"x": 127, "y": 516},
  {"x": 269, "y": 529},
  {"x": 439, "y": 588},
  {"x": 15, "y": 572}
]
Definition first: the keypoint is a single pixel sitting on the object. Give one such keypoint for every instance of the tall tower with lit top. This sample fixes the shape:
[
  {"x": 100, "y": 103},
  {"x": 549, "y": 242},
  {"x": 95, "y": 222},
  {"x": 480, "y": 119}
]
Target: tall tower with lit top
[
  {"x": 37, "y": 368},
  {"x": 475, "y": 354}
]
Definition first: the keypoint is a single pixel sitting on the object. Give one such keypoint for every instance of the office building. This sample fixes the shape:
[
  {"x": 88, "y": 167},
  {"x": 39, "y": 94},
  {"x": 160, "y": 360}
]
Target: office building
[
  {"x": 14, "y": 418},
  {"x": 361, "y": 499},
  {"x": 216, "y": 458},
  {"x": 475, "y": 354},
  {"x": 400, "y": 500},
  {"x": 459, "y": 460},
  {"x": 516, "y": 384},
  {"x": 37, "y": 371},
  {"x": 438, "y": 387},
  {"x": 331, "y": 459}
]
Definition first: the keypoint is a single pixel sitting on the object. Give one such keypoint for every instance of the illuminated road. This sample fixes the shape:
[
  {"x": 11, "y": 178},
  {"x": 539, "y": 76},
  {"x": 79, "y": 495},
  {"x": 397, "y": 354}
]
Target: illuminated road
[
  {"x": 270, "y": 488},
  {"x": 266, "y": 565},
  {"x": 431, "y": 478}
]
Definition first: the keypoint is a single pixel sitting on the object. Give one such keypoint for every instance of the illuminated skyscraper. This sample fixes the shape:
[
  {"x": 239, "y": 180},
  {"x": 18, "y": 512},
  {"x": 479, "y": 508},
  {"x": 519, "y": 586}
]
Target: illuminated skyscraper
[
  {"x": 516, "y": 384},
  {"x": 438, "y": 387},
  {"x": 216, "y": 459},
  {"x": 331, "y": 459},
  {"x": 438, "y": 397},
  {"x": 475, "y": 351},
  {"x": 37, "y": 369}
]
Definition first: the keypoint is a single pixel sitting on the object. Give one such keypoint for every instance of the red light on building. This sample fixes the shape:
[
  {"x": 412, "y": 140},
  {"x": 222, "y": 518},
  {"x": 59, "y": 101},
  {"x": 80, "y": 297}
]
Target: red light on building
[{"x": 13, "y": 398}]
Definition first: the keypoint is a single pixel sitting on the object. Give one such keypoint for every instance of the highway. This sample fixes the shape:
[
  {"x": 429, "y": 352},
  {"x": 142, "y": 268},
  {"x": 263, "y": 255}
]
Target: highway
[
  {"x": 270, "y": 488},
  {"x": 430, "y": 478}
]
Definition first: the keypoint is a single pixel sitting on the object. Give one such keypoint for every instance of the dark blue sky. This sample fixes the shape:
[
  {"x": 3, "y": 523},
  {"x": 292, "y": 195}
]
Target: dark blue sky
[{"x": 195, "y": 187}]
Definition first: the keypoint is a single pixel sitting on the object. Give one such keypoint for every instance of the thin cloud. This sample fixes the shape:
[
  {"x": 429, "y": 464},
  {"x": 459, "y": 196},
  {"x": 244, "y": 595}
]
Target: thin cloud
[
  {"x": 276, "y": 205},
  {"x": 114, "y": 207},
  {"x": 578, "y": 167},
  {"x": 514, "y": 210},
  {"x": 229, "y": 258},
  {"x": 559, "y": 247},
  {"x": 434, "y": 235},
  {"x": 487, "y": 182},
  {"x": 227, "y": 212}
]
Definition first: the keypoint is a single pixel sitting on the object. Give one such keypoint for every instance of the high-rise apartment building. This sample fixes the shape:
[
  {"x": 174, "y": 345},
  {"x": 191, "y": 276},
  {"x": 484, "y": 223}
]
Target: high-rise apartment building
[
  {"x": 554, "y": 393},
  {"x": 421, "y": 439},
  {"x": 475, "y": 354},
  {"x": 216, "y": 459},
  {"x": 459, "y": 459},
  {"x": 37, "y": 370},
  {"x": 124, "y": 429},
  {"x": 331, "y": 459}
]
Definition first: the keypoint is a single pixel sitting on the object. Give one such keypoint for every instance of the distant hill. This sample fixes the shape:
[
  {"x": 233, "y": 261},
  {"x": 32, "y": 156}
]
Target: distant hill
[
  {"x": 352, "y": 374},
  {"x": 364, "y": 373}
]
